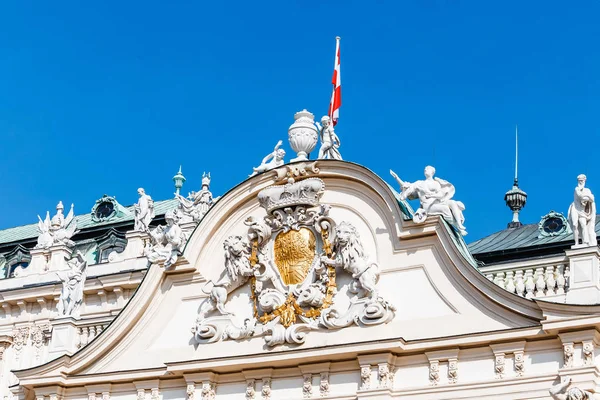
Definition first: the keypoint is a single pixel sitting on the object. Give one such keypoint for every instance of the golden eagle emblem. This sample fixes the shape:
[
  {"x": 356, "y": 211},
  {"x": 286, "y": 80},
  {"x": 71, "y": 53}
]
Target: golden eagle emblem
[{"x": 294, "y": 254}]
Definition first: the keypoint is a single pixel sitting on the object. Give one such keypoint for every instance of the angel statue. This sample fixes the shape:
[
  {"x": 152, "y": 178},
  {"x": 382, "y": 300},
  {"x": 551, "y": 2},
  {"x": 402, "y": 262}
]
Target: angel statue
[
  {"x": 271, "y": 160},
  {"x": 57, "y": 230},
  {"x": 435, "y": 195},
  {"x": 73, "y": 281},
  {"x": 330, "y": 142},
  {"x": 560, "y": 392},
  {"x": 167, "y": 241}
]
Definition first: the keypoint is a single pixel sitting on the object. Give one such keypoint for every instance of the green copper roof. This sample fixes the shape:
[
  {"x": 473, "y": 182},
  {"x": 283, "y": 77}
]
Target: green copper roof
[
  {"x": 84, "y": 221},
  {"x": 521, "y": 237}
]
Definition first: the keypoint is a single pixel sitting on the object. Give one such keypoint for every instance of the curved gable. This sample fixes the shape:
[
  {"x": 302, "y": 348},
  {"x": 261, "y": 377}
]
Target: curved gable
[{"x": 426, "y": 290}]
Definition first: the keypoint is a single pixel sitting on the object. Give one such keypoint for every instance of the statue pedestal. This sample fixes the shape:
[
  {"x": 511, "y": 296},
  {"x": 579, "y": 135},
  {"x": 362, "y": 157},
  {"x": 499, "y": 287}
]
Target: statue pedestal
[
  {"x": 64, "y": 337},
  {"x": 40, "y": 259},
  {"x": 136, "y": 241},
  {"x": 584, "y": 281},
  {"x": 59, "y": 255}
]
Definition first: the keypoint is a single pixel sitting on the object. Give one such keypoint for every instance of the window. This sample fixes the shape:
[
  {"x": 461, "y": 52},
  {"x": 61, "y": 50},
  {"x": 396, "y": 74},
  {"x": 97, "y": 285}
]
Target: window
[{"x": 104, "y": 210}]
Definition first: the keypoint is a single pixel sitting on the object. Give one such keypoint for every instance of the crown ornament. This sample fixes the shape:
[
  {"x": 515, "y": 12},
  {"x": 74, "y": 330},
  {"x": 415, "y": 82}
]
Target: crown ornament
[{"x": 306, "y": 192}]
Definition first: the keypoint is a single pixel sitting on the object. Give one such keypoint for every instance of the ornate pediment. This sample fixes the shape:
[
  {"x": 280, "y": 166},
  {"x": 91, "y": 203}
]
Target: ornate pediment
[{"x": 292, "y": 260}]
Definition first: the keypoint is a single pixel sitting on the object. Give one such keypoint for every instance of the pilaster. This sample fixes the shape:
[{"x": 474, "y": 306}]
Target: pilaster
[
  {"x": 64, "y": 337},
  {"x": 584, "y": 280},
  {"x": 136, "y": 242},
  {"x": 59, "y": 255}
]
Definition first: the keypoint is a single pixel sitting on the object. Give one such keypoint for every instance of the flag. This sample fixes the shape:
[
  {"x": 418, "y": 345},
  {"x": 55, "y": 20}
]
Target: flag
[{"x": 336, "y": 95}]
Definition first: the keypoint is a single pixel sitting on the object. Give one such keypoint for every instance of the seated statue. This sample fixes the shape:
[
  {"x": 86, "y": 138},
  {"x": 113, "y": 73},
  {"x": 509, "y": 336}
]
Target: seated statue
[
  {"x": 167, "y": 241},
  {"x": 272, "y": 160},
  {"x": 435, "y": 195},
  {"x": 560, "y": 392},
  {"x": 582, "y": 215}
]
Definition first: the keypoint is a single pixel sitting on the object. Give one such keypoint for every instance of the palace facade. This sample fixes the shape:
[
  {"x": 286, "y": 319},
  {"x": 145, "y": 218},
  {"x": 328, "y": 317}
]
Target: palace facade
[{"x": 312, "y": 279}]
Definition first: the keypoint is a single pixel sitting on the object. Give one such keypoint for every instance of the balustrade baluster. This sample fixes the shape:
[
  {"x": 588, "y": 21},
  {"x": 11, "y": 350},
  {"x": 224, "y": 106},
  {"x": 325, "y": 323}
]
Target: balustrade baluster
[
  {"x": 529, "y": 283},
  {"x": 520, "y": 284}
]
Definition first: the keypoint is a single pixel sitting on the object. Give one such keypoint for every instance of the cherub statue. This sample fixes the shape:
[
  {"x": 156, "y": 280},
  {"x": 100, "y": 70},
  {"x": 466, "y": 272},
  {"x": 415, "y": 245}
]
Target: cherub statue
[
  {"x": 560, "y": 392},
  {"x": 57, "y": 230},
  {"x": 330, "y": 142},
  {"x": 272, "y": 160},
  {"x": 435, "y": 195},
  {"x": 73, "y": 281},
  {"x": 167, "y": 241},
  {"x": 144, "y": 211},
  {"x": 582, "y": 214}
]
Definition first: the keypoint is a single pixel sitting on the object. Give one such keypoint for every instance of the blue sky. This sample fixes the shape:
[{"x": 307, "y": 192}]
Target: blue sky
[{"x": 104, "y": 97}]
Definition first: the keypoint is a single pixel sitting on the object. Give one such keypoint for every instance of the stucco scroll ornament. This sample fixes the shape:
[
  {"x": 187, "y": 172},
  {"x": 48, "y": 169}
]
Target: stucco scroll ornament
[
  {"x": 73, "y": 282},
  {"x": 582, "y": 215},
  {"x": 58, "y": 230},
  {"x": 435, "y": 196},
  {"x": 166, "y": 242},
  {"x": 290, "y": 264},
  {"x": 561, "y": 391}
]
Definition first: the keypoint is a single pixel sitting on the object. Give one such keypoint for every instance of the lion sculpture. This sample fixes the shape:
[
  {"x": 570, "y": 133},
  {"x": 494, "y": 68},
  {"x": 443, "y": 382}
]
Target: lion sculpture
[
  {"x": 350, "y": 255},
  {"x": 237, "y": 272}
]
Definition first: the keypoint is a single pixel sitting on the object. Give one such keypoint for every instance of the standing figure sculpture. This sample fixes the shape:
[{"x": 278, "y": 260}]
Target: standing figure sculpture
[
  {"x": 196, "y": 204},
  {"x": 560, "y": 392},
  {"x": 73, "y": 281},
  {"x": 330, "y": 142},
  {"x": 582, "y": 214},
  {"x": 271, "y": 160},
  {"x": 57, "y": 230},
  {"x": 167, "y": 241},
  {"x": 144, "y": 211},
  {"x": 435, "y": 195}
]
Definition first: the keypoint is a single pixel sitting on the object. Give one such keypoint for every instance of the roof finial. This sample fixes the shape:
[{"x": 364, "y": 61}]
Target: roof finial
[
  {"x": 516, "y": 155},
  {"x": 516, "y": 198},
  {"x": 179, "y": 179}
]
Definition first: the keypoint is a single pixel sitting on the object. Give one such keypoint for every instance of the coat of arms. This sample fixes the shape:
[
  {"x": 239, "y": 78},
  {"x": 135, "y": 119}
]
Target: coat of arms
[{"x": 291, "y": 260}]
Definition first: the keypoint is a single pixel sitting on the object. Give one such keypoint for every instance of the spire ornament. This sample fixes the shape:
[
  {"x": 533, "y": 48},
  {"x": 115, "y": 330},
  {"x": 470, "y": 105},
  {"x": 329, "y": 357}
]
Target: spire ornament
[
  {"x": 515, "y": 198},
  {"x": 179, "y": 180}
]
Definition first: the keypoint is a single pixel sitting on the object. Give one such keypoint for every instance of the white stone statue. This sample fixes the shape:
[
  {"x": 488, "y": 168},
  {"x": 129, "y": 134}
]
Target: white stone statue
[
  {"x": 73, "y": 281},
  {"x": 167, "y": 241},
  {"x": 350, "y": 255},
  {"x": 330, "y": 142},
  {"x": 144, "y": 211},
  {"x": 435, "y": 195},
  {"x": 582, "y": 215},
  {"x": 196, "y": 204},
  {"x": 58, "y": 230},
  {"x": 272, "y": 160},
  {"x": 560, "y": 392}
]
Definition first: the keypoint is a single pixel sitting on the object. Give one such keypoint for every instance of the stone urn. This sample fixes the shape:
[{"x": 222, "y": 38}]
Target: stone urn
[{"x": 303, "y": 135}]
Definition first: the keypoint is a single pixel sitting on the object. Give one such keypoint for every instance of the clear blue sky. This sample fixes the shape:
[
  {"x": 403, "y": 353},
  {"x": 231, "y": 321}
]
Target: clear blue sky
[{"x": 105, "y": 97}]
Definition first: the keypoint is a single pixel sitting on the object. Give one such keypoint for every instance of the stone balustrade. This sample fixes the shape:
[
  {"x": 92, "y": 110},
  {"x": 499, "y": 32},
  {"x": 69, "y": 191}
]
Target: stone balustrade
[
  {"x": 532, "y": 281},
  {"x": 87, "y": 333}
]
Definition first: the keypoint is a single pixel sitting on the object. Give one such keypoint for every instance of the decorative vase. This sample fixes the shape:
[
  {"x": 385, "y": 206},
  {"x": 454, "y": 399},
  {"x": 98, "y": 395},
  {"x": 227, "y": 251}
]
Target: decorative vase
[{"x": 303, "y": 135}]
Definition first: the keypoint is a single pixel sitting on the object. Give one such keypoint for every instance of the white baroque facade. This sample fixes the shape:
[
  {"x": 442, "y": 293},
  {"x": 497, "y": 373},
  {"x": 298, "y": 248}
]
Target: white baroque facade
[{"x": 358, "y": 302}]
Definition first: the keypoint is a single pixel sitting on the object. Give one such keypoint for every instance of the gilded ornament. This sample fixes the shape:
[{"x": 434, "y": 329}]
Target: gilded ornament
[{"x": 294, "y": 254}]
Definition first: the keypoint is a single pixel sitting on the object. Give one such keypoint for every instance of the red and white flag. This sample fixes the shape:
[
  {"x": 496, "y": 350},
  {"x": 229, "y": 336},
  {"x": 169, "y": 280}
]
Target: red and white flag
[{"x": 336, "y": 95}]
